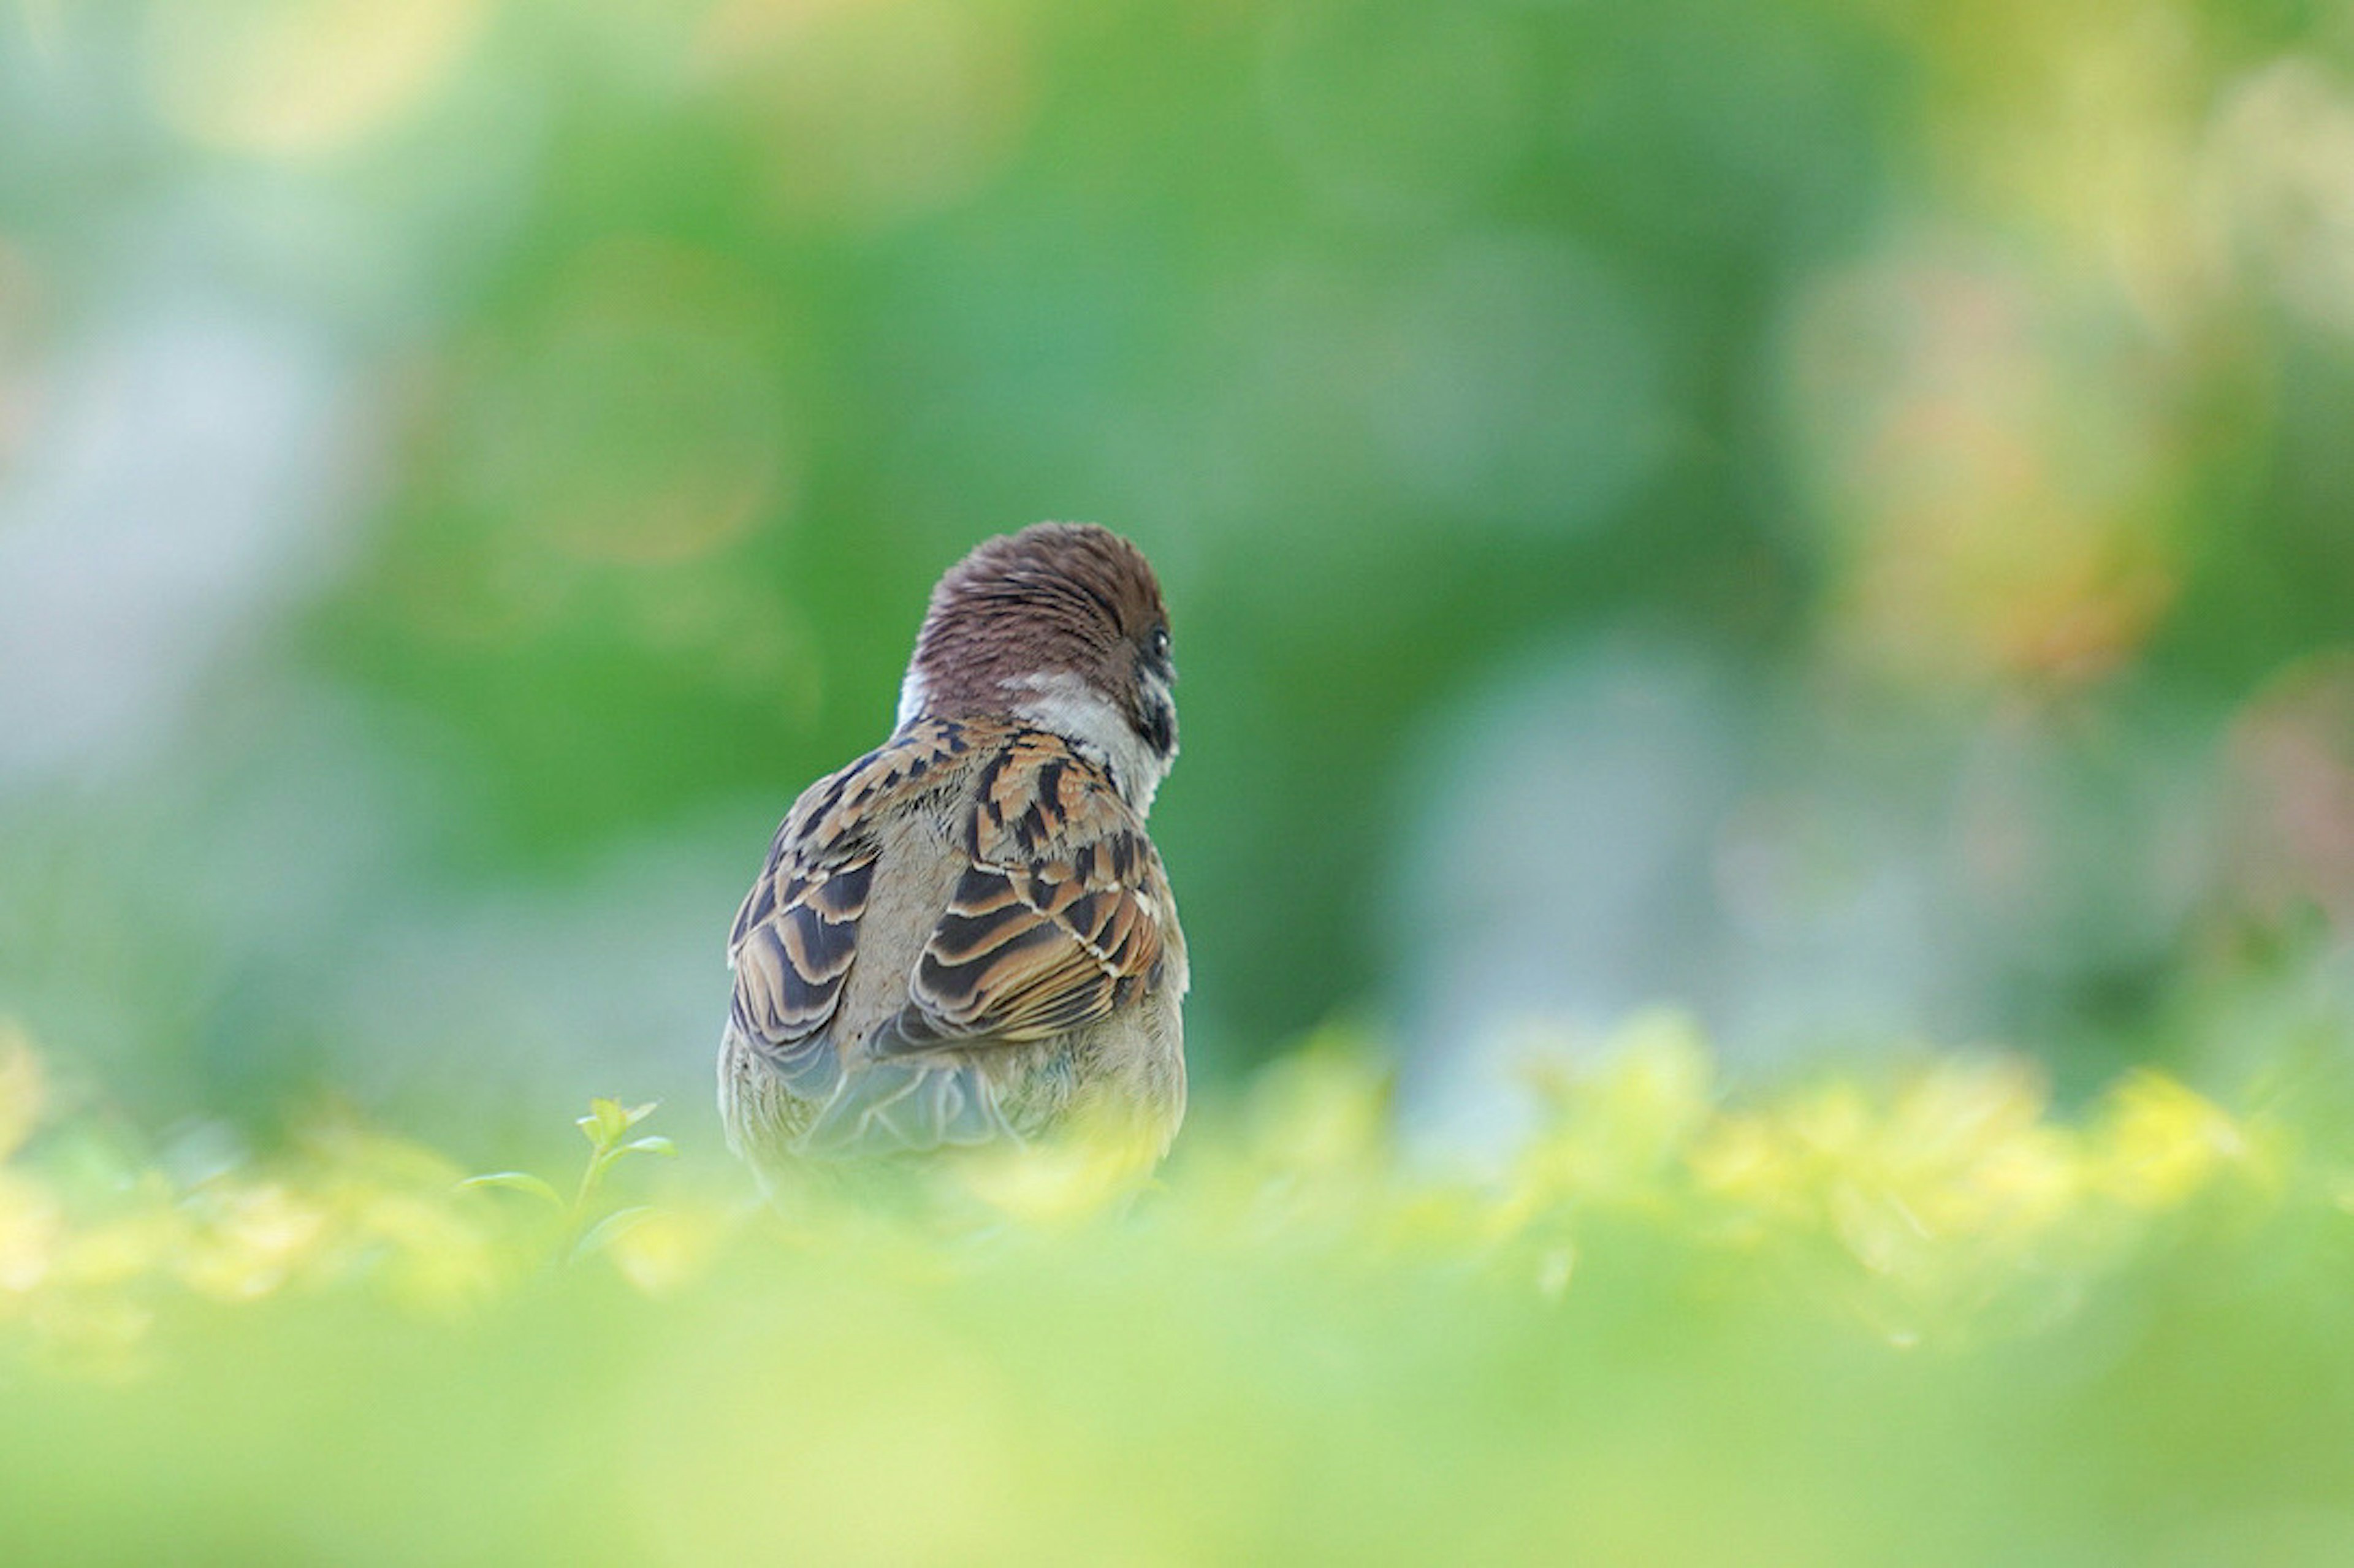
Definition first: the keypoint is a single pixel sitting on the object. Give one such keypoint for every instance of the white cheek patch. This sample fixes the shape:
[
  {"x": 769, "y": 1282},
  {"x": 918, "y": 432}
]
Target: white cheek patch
[
  {"x": 1067, "y": 706},
  {"x": 913, "y": 698},
  {"x": 1064, "y": 704}
]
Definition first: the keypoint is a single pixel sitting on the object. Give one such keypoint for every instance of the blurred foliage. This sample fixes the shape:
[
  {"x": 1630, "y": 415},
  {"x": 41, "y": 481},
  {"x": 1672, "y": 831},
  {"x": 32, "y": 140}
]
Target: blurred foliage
[{"x": 1911, "y": 1316}]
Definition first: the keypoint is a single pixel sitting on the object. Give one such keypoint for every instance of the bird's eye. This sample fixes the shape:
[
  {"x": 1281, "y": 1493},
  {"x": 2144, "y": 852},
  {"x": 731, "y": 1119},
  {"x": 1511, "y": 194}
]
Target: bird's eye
[{"x": 1160, "y": 641}]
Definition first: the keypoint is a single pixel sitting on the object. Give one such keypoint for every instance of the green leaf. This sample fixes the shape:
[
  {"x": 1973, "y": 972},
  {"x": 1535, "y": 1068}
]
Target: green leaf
[
  {"x": 517, "y": 1181},
  {"x": 604, "y": 1124},
  {"x": 609, "y": 1120},
  {"x": 603, "y": 1234}
]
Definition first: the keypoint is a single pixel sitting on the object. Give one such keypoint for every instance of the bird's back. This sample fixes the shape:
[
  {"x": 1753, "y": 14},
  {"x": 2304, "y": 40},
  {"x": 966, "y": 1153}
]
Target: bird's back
[{"x": 934, "y": 953}]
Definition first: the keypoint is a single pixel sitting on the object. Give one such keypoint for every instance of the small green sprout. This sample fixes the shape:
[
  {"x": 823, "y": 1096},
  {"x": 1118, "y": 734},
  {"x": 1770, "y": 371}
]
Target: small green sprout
[{"x": 607, "y": 1127}]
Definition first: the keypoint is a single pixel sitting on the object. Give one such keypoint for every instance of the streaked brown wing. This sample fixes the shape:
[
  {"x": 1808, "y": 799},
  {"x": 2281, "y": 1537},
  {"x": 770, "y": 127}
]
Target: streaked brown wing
[
  {"x": 796, "y": 936},
  {"x": 1054, "y": 923}
]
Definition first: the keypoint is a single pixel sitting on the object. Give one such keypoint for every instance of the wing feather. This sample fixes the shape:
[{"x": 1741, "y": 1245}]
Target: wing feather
[
  {"x": 796, "y": 936},
  {"x": 1055, "y": 922},
  {"x": 1052, "y": 925}
]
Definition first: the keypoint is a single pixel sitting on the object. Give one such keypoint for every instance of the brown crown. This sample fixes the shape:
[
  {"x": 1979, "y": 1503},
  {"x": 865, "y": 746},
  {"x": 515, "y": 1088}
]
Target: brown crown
[{"x": 1055, "y": 597}]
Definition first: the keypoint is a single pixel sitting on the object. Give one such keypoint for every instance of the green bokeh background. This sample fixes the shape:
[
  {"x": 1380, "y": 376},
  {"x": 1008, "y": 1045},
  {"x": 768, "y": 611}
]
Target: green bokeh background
[{"x": 609, "y": 380}]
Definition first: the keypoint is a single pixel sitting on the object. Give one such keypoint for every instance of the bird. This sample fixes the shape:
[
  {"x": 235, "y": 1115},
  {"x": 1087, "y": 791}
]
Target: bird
[{"x": 966, "y": 938}]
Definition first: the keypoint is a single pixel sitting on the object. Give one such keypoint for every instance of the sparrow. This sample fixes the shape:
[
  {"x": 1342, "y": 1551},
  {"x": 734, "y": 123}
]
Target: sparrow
[{"x": 965, "y": 938}]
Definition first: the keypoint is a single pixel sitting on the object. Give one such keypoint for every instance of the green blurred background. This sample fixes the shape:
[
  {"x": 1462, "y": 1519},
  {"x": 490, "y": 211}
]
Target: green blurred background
[{"x": 1832, "y": 513}]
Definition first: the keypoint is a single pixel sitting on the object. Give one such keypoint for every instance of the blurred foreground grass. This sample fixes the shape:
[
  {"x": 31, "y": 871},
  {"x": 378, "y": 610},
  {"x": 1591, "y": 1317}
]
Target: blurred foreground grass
[{"x": 1919, "y": 1318}]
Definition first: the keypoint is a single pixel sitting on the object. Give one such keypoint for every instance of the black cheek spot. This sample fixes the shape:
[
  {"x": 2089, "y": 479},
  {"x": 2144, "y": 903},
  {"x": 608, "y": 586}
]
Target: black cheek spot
[{"x": 1158, "y": 725}]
